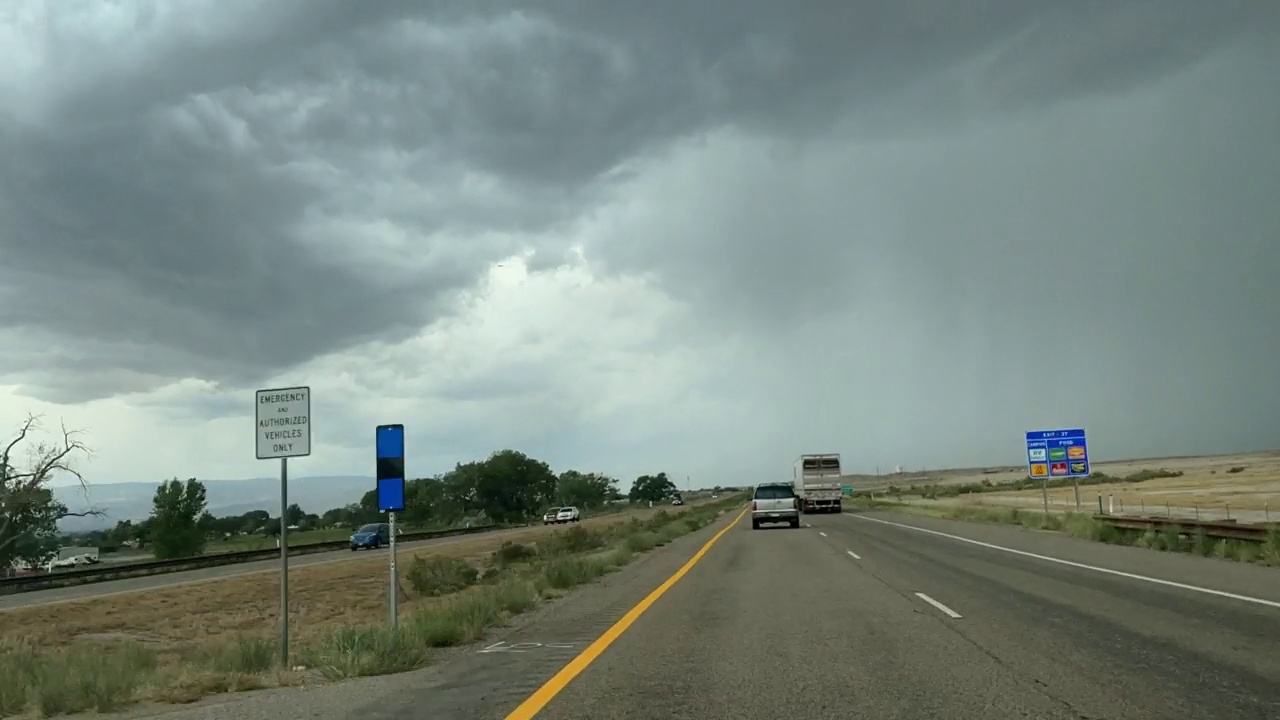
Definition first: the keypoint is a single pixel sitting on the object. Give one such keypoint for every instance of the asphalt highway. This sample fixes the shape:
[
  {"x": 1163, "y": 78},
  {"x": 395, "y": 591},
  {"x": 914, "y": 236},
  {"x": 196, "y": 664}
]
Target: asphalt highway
[
  {"x": 791, "y": 623},
  {"x": 855, "y": 617},
  {"x": 870, "y": 615}
]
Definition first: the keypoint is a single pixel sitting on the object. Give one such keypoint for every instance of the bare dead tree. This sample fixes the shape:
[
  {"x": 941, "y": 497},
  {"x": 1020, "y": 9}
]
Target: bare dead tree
[{"x": 24, "y": 492}]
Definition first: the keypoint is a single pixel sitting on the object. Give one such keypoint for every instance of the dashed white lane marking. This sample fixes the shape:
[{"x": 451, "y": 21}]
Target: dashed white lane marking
[
  {"x": 822, "y": 533},
  {"x": 1070, "y": 563},
  {"x": 854, "y": 555},
  {"x": 943, "y": 608}
]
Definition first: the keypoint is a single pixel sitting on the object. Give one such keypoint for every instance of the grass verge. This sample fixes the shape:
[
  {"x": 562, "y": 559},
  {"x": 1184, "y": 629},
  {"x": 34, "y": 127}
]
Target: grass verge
[
  {"x": 448, "y": 602},
  {"x": 1086, "y": 527},
  {"x": 934, "y": 491}
]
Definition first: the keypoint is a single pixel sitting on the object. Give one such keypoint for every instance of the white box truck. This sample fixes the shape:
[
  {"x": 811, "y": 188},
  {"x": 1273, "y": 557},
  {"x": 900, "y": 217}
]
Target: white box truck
[{"x": 816, "y": 479}]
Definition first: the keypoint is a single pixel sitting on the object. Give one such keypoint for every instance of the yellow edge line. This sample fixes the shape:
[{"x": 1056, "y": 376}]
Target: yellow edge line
[{"x": 545, "y": 694}]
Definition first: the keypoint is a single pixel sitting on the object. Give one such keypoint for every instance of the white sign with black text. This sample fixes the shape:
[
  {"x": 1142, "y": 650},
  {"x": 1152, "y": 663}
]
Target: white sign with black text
[{"x": 284, "y": 423}]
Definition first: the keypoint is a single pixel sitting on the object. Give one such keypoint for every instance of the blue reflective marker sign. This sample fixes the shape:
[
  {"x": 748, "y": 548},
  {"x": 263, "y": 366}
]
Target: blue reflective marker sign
[
  {"x": 389, "y": 444},
  {"x": 391, "y": 495},
  {"x": 1057, "y": 453},
  {"x": 390, "y": 441}
]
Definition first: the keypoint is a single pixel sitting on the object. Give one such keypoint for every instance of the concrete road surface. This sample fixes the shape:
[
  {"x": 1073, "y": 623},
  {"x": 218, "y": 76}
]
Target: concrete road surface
[
  {"x": 147, "y": 582},
  {"x": 865, "y": 615}
]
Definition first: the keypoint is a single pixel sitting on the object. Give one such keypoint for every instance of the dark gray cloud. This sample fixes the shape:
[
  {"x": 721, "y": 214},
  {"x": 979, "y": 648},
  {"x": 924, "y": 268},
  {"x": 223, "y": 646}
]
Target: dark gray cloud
[{"x": 229, "y": 195}]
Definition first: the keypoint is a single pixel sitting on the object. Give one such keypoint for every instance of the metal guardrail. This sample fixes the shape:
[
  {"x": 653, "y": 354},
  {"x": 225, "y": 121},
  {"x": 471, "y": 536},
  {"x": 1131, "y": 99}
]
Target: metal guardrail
[
  {"x": 1218, "y": 530},
  {"x": 27, "y": 583}
]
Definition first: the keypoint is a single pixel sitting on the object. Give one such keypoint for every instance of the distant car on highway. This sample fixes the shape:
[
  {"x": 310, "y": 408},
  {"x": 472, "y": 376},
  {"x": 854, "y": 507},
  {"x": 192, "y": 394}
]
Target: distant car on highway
[
  {"x": 568, "y": 515},
  {"x": 371, "y": 536},
  {"x": 775, "y": 503},
  {"x": 549, "y": 517}
]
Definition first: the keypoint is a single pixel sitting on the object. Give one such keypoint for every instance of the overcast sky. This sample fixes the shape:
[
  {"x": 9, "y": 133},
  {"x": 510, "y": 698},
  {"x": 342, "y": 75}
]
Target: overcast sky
[{"x": 700, "y": 237}]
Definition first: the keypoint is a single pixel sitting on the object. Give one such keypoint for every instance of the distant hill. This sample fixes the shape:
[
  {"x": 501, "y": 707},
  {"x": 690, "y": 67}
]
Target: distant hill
[{"x": 132, "y": 500}]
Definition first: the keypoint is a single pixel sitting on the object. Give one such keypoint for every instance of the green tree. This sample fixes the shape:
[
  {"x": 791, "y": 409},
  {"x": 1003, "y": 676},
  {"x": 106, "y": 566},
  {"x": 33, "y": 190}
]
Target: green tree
[
  {"x": 340, "y": 517},
  {"x": 254, "y": 520},
  {"x": 508, "y": 486},
  {"x": 511, "y": 486},
  {"x": 207, "y": 522},
  {"x": 175, "y": 512},
  {"x": 586, "y": 490},
  {"x": 425, "y": 502},
  {"x": 652, "y": 488},
  {"x": 29, "y": 512},
  {"x": 293, "y": 514}
]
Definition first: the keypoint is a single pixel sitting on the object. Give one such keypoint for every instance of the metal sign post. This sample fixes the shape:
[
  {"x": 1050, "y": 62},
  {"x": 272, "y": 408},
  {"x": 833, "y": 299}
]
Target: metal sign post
[
  {"x": 284, "y": 562},
  {"x": 395, "y": 580},
  {"x": 389, "y": 444},
  {"x": 283, "y": 420}
]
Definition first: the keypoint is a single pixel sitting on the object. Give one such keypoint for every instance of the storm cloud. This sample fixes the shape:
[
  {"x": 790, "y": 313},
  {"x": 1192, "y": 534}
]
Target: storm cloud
[{"x": 1015, "y": 210}]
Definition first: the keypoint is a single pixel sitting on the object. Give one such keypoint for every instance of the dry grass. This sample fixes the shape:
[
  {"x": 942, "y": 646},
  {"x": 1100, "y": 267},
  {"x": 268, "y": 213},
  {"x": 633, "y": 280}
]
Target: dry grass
[
  {"x": 341, "y": 592},
  {"x": 1205, "y": 483},
  {"x": 1084, "y": 526},
  {"x": 1240, "y": 482}
]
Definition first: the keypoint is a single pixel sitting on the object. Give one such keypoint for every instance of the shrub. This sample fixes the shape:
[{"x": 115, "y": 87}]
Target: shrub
[
  {"x": 71, "y": 680},
  {"x": 360, "y": 651},
  {"x": 567, "y": 572},
  {"x": 516, "y": 596},
  {"x": 658, "y": 519},
  {"x": 457, "y": 620},
  {"x": 245, "y": 654},
  {"x": 510, "y": 553},
  {"x": 440, "y": 575},
  {"x": 578, "y": 539},
  {"x": 642, "y": 541}
]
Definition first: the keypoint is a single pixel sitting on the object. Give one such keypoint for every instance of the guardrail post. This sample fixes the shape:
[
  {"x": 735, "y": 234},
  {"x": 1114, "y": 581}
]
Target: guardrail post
[{"x": 1100, "y": 510}]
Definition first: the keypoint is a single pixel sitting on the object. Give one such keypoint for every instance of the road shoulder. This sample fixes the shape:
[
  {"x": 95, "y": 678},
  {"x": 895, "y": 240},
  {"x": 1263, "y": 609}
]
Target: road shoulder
[{"x": 1222, "y": 575}]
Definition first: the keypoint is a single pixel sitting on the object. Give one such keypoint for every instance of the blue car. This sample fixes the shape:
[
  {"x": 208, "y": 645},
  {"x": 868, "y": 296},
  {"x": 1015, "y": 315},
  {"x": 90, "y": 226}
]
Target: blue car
[{"x": 371, "y": 536}]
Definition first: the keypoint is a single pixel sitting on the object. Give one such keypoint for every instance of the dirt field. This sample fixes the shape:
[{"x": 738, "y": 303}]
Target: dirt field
[
  {"x": 352, "y": 592},
  {"x": 1207, "y": 484}
]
